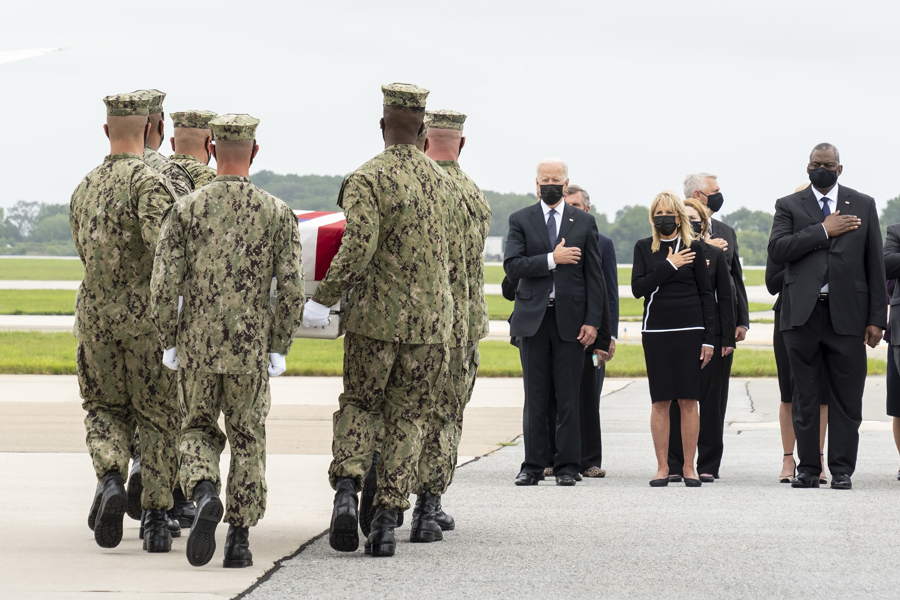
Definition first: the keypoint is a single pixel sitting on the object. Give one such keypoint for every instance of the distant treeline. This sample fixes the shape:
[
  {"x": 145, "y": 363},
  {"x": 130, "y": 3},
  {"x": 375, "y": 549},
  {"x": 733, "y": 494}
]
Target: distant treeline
[{"x": 35, "y": 228}]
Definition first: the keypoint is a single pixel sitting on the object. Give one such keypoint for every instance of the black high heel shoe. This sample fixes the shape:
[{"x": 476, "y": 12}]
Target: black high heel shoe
[{"x": 783, "y": 479}]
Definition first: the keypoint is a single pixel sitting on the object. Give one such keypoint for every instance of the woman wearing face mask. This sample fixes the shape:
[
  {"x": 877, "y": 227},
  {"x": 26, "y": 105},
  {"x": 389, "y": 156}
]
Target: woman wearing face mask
[
  {"x": 712, "y": 377},
  {"x": 678, "y": 328}
]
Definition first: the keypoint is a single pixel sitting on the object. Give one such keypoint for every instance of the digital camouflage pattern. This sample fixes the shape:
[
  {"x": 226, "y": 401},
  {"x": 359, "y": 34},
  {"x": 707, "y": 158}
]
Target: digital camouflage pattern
[
  {"x": 115, "y": 215},
  {"x": 192, "y": 119},
  {"x": 408, "y": 95},
  {"x": 233, "y": 127},
  {"x": 127, "y": 105},
  {"x": 199, "y": 173},
  {"x": 177, "y": 177},
  {"x": 395, "y": 251},
  {"x": 156, "y": 99},
  {"x": 400, "y": 384},
  {"x": 125, "y": 385},
  {"x": 220, "y": 248},
  {"x": 244, "y": 400},
  {"x": 446, "y": 119},
  {"x": 479, "y": 223}
]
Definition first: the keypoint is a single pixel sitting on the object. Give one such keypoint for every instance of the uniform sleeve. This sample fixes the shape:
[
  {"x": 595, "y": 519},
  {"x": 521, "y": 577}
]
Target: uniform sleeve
[
  {"x": 155, "y": 198},
  {"x": 182, "y": 183},
  {"x": 358, "y": 244},
  {"x": 167, "y": 279},
  {"x": 290, "y": 289}
]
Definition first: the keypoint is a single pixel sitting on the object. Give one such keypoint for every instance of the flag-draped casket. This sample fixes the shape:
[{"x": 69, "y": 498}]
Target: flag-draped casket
[{"x": 320, "y": 236}]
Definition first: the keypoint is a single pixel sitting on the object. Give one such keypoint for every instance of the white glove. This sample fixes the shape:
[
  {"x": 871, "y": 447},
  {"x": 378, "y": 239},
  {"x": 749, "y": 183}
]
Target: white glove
[
  {"x": 277, "y": 364},
  {"x": 170, "y": 358},
  {"x": 315, "y": 314}
]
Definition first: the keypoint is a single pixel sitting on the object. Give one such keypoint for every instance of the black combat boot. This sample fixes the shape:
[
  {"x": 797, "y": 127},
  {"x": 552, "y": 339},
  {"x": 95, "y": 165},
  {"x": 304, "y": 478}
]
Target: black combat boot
[
  {"x": 95, "y": 505},
  {"x": 381, "y": 541},
  {"x": 445, "y": 521},
  {"x": 237, "y": 548},
  {"x": 370, "y": 487},
  {"x": 135, "y": 489},
  {"x": 343, "y": 534},
  {"x": 182, "y": 510},
  {"x": 201, "y": 543},
  {"x": 156, "y": 532},
  {"x": 108, "y": 524},
  {"x": 424, "y": 528},
  {"x": 172, "y": 525}
]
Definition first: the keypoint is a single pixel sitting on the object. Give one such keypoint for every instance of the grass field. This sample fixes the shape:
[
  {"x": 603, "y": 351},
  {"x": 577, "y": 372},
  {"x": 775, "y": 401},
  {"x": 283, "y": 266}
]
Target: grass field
[
  {"x": 54, "y": 354},
  {"x": 494, "y": 274},
  {"x": 37, "y": 302},
  {"x": 40, "y": 269}
]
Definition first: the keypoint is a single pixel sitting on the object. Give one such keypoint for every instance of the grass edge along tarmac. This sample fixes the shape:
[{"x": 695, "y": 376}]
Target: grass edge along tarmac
[{"x": 26, "y": 352}]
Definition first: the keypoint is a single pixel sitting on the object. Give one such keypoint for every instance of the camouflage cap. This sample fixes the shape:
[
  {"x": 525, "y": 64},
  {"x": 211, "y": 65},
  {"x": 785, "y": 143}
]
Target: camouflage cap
[
  {"x": 404, "y": 94},
  {"x": 127, "y": 105},
  {"x": 194, "y": 119},
  {"x": 156, "y": 99},
  {"x": 234, "y": 127},
  {"x": 446, "y": 119}
]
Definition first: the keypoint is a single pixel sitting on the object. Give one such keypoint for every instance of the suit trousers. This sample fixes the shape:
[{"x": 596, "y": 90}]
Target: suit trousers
[
  {"x": 819, "y": 356},
  {"x": 589, "y": 412},
  {"x": 712, "y": 420},
  {"x": 548, "y": 358}
]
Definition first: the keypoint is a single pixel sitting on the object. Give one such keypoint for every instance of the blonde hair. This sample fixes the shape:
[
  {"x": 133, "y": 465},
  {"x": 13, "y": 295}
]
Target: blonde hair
[
  {"x": 673, "y": 200},
  {"x": 702, "y": 211}
]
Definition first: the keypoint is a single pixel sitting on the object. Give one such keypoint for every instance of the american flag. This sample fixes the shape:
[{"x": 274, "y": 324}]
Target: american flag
[{"x": 320, "y": 235}]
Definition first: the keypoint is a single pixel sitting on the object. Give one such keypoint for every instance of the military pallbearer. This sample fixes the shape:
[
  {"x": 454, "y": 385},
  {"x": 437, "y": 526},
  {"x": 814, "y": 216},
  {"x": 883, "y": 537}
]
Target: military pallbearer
[
  {"x": 191, "y": 143},
  {"x": 177, "y": 176}
]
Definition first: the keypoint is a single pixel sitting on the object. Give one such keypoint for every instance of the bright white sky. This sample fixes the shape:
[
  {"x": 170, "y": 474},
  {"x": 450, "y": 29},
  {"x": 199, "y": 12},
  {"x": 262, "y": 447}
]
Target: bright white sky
[{"x": 633, "y": 95}]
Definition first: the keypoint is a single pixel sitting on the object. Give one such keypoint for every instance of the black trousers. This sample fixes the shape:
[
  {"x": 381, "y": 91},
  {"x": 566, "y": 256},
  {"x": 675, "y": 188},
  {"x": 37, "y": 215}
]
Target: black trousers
[
  {"x": 819, "y": 356},
  {"x": 547, "y": 358},
  {"x": 589, "y": 410},
  {"x": 712, "y": 419}
]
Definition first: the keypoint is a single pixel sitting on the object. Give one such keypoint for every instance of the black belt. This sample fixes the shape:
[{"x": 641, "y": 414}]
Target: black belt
[
  {"x": 823, "y": 297},
  {"x": 551, "y": 303}
]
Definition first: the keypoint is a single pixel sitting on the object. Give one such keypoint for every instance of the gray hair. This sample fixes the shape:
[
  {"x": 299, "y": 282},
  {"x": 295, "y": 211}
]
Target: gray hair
[
  {"x": 696, "y": 181},
  {"x": 826, "y": 146},
  {"x": 552, "y": 161},
  {"x": 577, "y": 189}
]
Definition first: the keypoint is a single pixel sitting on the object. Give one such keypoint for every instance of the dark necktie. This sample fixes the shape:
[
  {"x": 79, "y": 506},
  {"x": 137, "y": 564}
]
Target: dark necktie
[
  {"x": 551, "y": 228},
  {"x": 826, "y": 210}
]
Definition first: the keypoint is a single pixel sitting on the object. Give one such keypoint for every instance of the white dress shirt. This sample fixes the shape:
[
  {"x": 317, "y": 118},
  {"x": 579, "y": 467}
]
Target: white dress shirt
[
  {"x": 551, "y": 264},
  {"x": 831, "y": 199}
]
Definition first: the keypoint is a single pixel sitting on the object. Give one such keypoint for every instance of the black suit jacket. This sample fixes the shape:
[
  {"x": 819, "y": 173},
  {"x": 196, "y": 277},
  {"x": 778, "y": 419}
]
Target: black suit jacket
[
  {"x": 892, "y": 271},
  {"x": 611, "y": 279},
  {"x": 580, "y": 289},
  {"x": 857, "y": 295},
  {"x": 733, "y": 260},
  {"x": 774, "y": 280},
  {"x": 721, "y": 283}
]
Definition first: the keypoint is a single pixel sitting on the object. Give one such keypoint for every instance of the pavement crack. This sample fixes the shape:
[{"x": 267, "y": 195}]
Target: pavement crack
[
  {"x": 749, "y": 396},
  {"x": 619, "y": 390}
]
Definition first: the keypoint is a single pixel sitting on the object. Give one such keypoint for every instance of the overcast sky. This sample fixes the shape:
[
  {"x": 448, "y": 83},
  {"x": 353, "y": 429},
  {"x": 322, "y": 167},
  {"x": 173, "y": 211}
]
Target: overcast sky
[{"x": 634, "y": 95}]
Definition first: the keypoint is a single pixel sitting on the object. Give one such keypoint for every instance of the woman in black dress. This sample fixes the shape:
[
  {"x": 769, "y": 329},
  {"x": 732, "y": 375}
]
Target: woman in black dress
[{"x": 678, "y": 327}]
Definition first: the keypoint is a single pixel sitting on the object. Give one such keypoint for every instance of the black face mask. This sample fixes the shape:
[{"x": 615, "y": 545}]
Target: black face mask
[
  {"x": 697, "y": 226},
  {"x": 665, "y": 225},
  {"x": 715, "y": 201},
  {"x": 551, "y": 194},
  {"x": 823, "y": 178}
]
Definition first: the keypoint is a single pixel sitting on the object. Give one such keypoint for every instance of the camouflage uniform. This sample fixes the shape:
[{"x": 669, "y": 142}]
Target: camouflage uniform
[
  {"x": 176, "y": 174},
  {"x": 199, "y": 173},
  {"x": 395, "y": 255},
  {"x": 221, "y": 245},
  {"x": 115, "y": 216}
]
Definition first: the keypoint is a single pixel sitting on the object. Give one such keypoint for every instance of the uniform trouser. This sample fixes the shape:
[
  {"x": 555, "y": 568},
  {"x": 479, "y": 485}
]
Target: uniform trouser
[
  {"x": 389, "y": 385},
  {"x": 822, "y": 358},
  {"x": 124, "y": 383},
  {"x": 443, "y": 429},
  {"x": 244, "y": 400},
  {"x": 712, "y": 420}
]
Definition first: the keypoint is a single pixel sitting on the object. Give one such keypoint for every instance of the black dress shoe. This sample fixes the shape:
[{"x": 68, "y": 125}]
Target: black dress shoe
[
  {"x": 172, "y": 525},
  {"x": 95, "y": 505},
  {"x": 805, "y": 479},
  {"x": 135, "y": 489},
  {"x": 424, "y": 529},
  {"x": 577, "y": 476},
  {"x": 343, "y": 535},
  {"x": 676, "y": 478},
  {"x": 156, "y": 532},
  {"x": 841, "y": 481},
  {"x": 237, "y": 548},
  {"x": 201, "y": 543},
  {"x": 444, "y": 520},
  {"x": 381, "y": 541},
  {"x": 370, "y": 486},
  {"x": 566, "y": 480},
  {"x": 688, "y": 482},
  {"x": 659, "y": 482},
  {"x": 526, "y": 478},
  {"x": 707, "y": 479},
  {"x": 182, "y": 510},
  {"x": 108, "y": 524}
]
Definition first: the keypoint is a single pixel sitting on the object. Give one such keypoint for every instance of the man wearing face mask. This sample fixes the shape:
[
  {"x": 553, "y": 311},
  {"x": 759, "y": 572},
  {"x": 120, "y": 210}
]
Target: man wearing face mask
[
  {"x": 191, "y": 145},
  {"x": 834, "y": 301},
  {"x": 553, "y": 252}
]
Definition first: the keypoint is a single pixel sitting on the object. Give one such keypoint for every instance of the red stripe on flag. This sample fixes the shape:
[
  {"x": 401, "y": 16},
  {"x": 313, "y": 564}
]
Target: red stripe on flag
[
  {"x": 312, "y": 215},
  {"x": 327, "y": 247}
]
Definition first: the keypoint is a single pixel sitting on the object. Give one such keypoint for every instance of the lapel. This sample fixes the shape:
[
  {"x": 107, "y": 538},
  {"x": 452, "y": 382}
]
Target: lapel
[
  {"x": 566, "y": 221},
  {"x": 540, "y": 227},
  {"x": 809, "y": 202},
  {"x": 843, "y": 202}
]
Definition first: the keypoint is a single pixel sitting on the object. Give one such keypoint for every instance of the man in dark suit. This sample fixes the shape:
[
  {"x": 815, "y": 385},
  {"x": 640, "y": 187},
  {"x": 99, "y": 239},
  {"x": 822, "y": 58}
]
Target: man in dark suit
[
  {"x": 705, "y": 188},
  {"x": 834, "y": 300},
  {"x": 552, "y": 251},
  {"x": 892, "y": 334}
]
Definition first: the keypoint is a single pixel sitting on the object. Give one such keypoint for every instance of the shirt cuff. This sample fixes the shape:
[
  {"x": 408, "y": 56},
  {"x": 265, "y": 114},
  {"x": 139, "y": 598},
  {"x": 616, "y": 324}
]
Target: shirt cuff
[
  {"x": 825, "y": 230},
  {"x": 669, "y": 260},
  {"x": 709, "y": 345},
  {"x": 613, "y": 338},
  {"x": 551, "y": 264}
]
